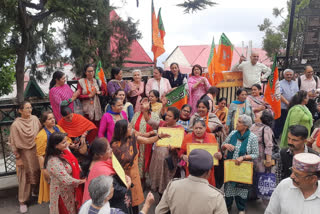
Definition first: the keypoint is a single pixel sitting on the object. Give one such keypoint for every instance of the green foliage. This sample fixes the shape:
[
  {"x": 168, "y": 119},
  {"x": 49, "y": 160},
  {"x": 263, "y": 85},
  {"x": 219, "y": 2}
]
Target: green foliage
[
  {"x": 195, "y": 5},
  {"x": 275, "y": 38},
  {"x": 7, "y": 72}
]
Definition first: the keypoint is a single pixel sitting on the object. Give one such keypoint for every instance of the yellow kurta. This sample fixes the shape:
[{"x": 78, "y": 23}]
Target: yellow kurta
[
  {"x": 156, "y": 108},
  {"x": 41, "y": 144}
]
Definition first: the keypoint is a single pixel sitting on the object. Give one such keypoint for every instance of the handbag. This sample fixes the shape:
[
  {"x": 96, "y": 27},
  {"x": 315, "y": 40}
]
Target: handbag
[
  {"x": 266, "y": 184},
  {"x": 77, "y": 107}
]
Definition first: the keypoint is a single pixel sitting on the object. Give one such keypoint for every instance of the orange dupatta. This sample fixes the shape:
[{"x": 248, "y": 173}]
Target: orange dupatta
[{"x": 77, "y": 126}]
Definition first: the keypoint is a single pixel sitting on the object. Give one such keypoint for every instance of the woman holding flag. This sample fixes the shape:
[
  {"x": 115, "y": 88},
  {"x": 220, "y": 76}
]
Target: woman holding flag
[{"x": 89, "y": 95}]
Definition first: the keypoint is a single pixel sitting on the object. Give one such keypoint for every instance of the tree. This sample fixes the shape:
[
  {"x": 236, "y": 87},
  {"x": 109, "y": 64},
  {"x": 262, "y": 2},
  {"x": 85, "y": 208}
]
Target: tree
[
  {"x": 275, "y": 38},
  {"x": 7, "y": 63},
  {"x": 89, "y": 31},
  {"x": 28, "y": 34}
]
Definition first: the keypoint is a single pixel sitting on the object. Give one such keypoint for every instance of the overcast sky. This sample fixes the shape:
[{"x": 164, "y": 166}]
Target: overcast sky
[{"x": 238, "y": 19}]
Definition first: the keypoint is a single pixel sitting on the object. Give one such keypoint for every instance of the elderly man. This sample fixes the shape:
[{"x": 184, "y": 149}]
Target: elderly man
[
  {"x": 101, "y": 191},
  {"x": 310, "y": 83},
  {"x": 288, "y": 88},
  {"x": 297, "y": 138},
  {"x": 193, "y": 194},
  {"x": 251, "y": 70},
  {"x": 301, "y": 192}
]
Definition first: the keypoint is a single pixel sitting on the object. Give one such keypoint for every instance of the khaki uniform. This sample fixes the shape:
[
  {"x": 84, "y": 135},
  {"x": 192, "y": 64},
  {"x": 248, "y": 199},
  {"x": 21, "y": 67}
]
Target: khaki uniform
[{"x": 191, "y": 195}]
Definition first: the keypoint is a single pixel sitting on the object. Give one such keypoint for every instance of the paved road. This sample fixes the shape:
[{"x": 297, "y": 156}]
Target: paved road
[{"x": 9, "y": 205}]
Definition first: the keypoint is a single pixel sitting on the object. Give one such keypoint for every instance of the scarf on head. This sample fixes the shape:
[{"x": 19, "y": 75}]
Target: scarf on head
[
  {"x": 243, "y": 148},
  {"x": 73, "y": 162},
  {"x": 148, "y": 147}
]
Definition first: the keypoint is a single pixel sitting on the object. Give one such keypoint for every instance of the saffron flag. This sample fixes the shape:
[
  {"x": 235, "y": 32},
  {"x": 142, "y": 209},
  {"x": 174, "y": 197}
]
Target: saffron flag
[
  {"x": 161, "y": 26},
  {"x": 157, "y": 44},
  {"x": 211, "y": 63},
  {"x": 100, "y": 76},
  {"x": 224, "y": 58},
  {"x": 272, "y": 93},
  {"x": 178, "y": 97}
]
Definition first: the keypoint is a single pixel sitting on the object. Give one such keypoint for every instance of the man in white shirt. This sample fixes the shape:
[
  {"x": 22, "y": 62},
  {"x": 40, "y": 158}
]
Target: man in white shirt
[
  {"x": 310, "y": 83},
  {"x": 251, "y": 70},
  {"x": 299, "y": 194}
]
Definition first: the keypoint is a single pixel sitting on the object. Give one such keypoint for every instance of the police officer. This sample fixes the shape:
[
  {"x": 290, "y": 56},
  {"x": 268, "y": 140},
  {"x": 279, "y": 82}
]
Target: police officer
[{"x": 193, "y": 194}]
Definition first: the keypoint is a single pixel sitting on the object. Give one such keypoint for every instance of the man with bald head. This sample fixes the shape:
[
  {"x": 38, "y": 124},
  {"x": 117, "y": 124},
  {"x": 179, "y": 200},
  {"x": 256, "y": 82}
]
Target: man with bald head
[
  {"x": 251, "y": 70},
  {"x": 310, "y": 83}
]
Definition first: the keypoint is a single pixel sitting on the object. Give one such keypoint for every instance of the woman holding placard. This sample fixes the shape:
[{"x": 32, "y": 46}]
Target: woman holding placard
[
  {"x": 124, "y": 146},
  {"x": 164, "y": 160},
  {"x": 198, "y": 136},
  {"x": 240, "y": 145}
]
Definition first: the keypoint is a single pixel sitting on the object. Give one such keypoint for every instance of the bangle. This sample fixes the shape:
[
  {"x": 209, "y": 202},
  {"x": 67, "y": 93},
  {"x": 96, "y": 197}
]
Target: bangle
[{"x": 159, "y": 137}]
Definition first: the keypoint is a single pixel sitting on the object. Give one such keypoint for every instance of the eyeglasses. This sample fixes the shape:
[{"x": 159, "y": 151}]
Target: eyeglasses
[
  {"x": 27, "y": 108},
  {"x": 90, "y": 71},
  {"x": 299, "y": 176},
  {"x": 186, "y": 111}
]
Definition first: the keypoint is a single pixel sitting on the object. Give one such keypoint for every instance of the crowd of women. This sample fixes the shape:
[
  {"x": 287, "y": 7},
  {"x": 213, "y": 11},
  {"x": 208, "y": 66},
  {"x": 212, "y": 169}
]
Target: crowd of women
[{"x": 57, "y": 162}]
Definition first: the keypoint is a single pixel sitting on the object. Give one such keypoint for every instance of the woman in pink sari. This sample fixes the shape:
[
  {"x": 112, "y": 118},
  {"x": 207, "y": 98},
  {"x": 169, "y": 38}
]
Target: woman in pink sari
[
  {"x": 60, "y": 92},
  {"x": 198, "y": 86}
]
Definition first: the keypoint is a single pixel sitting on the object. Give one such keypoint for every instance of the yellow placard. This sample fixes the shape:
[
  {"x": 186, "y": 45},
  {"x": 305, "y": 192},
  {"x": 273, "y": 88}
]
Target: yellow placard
[
  {"x": 242, "y": 173},
  {"x": 175, "y": 141},
  {"x": 118, "y": 168},
  {"x": 211, "y": 148}
]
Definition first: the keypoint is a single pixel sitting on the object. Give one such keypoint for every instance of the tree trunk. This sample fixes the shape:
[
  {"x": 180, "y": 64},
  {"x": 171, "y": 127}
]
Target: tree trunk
[
  {"x": 21, "y": 58},
  {"x": 104, "y": 48},
  {"x": 21, "y": 51}
]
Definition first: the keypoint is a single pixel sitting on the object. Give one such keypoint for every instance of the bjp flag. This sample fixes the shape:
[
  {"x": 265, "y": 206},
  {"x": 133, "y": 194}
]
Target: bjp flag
[
  {"x": 272, "y": 93},
  {"x": 161, "y": 26},
  {"x": 178, "y": 97},
  {"x": 211, "y": 63},
  {"x": 100, "y": 76},
  {"x": 157, "y": 44},
  {"x": 224, "y": 58}
]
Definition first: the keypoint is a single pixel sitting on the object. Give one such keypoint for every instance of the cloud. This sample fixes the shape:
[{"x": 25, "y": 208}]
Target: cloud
[{"x": 238, "y": 19}]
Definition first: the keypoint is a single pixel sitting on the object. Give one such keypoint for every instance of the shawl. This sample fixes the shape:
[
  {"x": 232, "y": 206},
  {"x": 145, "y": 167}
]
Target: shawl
[
  {"x": 221, "y": 114},
  {"x": 125, "y": 152},
  {"x": 163, "y": 87},
  {"x": 212, "y": 121},
  {"x": 73, "y": 162},
  {"x": 92, "y": 106},
  {"x": 297, "y": 115},
  {"x": 23, "y": 133},
  {"x": 86, "y": 206},
  {"x": 243, "y": 148},
  {"x": 77, "y": 126},
  {"x": 99, "y": 168},
  {"x": 148, "y": 147}
]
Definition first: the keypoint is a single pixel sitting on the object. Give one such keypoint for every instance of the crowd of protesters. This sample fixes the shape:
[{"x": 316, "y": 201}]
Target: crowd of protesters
[{"x": 65, "y": 158}]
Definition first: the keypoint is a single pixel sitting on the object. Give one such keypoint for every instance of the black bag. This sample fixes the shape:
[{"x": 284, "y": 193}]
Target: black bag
[{"x": 170, "y": 162}]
